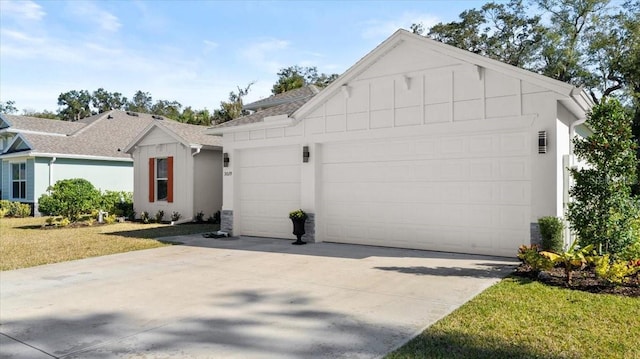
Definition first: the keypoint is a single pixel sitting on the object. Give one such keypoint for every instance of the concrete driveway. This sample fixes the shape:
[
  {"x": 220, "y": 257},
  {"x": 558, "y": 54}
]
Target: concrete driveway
[{"x": 236, "y": 298}]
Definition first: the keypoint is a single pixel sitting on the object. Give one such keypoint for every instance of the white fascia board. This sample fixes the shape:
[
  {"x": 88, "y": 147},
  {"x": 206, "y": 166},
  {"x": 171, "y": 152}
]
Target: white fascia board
[
  {"x": 269, "y": 122},
  {"x": 65, "y": 155}
]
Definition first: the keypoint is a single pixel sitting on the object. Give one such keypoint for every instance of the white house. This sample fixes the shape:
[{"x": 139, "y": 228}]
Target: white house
[
  {"x": 177, "y": 168},
  {"x": 418, "y": 145}
]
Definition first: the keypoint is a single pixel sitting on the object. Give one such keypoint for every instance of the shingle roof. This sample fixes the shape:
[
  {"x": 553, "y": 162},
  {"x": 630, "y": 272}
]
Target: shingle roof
[
  {"x": 281, "y": 98},
  {"x": 281, "y": 104},
  {"x": 192, "y": 133},
  {"x": 34, "y": 124},
  {"x": 103, "y": 135}
]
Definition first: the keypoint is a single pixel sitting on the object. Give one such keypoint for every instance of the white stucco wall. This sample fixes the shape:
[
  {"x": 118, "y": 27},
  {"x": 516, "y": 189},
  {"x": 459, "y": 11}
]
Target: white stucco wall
[{"x": 208, "y": 182}]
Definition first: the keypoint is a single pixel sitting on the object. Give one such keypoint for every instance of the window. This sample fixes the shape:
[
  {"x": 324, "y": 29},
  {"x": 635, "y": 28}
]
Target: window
[
  {"x": 19, "y": 180},
  {"x": 162, "y": 179}
]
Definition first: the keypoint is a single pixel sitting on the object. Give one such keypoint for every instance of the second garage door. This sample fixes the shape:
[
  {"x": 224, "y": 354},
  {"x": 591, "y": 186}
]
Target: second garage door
[
  {"x": 269, "y": 189},
  {"x": 469, "y": 194}
]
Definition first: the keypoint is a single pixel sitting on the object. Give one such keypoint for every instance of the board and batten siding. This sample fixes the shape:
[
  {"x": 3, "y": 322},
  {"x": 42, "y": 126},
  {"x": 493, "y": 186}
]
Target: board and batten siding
[{"x": 412, "y": 94}]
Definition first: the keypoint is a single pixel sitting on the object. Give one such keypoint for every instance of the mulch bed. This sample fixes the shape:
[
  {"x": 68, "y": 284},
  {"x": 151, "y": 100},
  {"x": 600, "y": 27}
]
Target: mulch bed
[{"x": 584, "y": 280}]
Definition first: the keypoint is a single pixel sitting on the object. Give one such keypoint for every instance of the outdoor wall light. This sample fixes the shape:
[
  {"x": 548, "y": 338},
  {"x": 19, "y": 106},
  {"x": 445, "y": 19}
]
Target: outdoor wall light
[
  {"x": 225, "y": 159},
  {"x": 305, "y": 154},
  {"x": 542, "y": 141}
]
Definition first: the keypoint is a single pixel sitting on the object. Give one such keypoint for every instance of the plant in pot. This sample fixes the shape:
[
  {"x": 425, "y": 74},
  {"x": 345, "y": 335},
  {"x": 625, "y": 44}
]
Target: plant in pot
[{"x": 298, "y": 217}]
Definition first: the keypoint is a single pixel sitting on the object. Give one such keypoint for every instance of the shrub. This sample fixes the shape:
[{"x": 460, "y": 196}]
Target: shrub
[
  {"x": 532, "y": 257},
  {"x": 614, "y": 271},
  {"x": 64, "y": 222},
  {"x": 119, "y": 203},
  {"x": 175, "y": 216},
  {"x": 632, "y": 251},
  {"x": 552, "y": 232},
  {"x": 110, "y": 219},
  {"x": 5, "y": 208},
  {"x": 70, "y": 198},
  {"x": 144, "y": 217},
  {"x": 200, "y": 217},
  {"x": 20, "y": 210},
  {"x": 604, "y": 209},
  {"x": 576, "y": 257},
  {"x": 159, "y": 216}
]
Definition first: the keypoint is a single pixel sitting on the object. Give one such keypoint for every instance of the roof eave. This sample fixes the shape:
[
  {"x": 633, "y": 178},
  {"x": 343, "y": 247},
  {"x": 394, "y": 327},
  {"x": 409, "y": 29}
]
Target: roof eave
[{"x": 281, "y": 121}]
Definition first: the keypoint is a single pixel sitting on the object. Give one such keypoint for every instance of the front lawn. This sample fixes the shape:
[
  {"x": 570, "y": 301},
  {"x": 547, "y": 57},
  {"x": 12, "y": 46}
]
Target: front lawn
[
  {"x": 522, "y": 318},
  {"x": 24, "y": 244}
]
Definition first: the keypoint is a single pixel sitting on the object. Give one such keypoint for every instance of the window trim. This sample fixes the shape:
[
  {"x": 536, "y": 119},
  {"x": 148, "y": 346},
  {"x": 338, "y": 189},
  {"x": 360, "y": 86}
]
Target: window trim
[
  {"x": 157, "y": 179},
  {"x": 19, "y": 180}
]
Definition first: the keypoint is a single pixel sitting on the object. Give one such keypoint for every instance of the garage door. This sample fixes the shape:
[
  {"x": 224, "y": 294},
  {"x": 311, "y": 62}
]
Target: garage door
[
  {"x": 468, "y": 194},
  {"x": 269, "y": 189}
]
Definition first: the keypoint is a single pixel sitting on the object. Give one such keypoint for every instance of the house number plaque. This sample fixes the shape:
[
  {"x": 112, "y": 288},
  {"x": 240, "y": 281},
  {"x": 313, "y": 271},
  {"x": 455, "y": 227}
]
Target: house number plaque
[{"x": 228, "y": 173}]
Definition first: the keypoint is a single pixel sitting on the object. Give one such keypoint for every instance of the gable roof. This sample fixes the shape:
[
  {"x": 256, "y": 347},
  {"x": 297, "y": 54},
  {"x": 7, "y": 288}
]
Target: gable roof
[
  {"x": 282, "y": 98},
  {"x": 103, "y": 136},
  {"x": 284, "y": 103},
  {"x": 193, "y": 136},
  {"x": 576, "y": 99}
]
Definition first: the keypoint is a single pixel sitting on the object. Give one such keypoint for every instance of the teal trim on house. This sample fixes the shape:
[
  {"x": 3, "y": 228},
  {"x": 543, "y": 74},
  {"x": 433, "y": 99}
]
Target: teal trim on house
[
  {"x": 4, "y": 180},
  {"x": 30, "y": 180}
]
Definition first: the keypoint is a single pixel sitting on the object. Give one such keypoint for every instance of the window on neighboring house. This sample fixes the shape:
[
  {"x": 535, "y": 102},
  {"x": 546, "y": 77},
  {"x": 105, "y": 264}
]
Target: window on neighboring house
[
  {"x": 162, "y": 179},
  {"x": 19, "y": 180}
]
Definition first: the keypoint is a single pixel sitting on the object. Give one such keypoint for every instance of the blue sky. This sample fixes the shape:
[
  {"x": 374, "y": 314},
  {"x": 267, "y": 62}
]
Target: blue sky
[{"x": 194, "y": 52}]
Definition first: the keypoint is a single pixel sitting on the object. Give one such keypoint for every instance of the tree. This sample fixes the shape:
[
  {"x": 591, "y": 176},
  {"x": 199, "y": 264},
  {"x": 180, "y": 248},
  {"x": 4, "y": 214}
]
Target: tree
[
  {"x": 603, "y": 209},
  {"x": 44, "y": 114},
  {"x": 104, "y": 101},
  {"x": 294, "y": 77},
  {"x": 231, "y": 109},
  {"x": 169, "y": 109},
  {"x": 8, "y": 107},
  {"x": 141, "y": 102},
  {"x": 70, "y": 198},
  {"x": 504, "y": 32},
  {"x": 77, "y": 105}
]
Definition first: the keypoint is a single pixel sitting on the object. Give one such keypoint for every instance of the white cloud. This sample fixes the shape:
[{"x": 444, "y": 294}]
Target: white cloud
[
  {"x": 377, "y": 29},
  {"x": 26, "y": 10},
  {"x": 264, "y": 54},
  {"x": 209, "y": 46},
  {"x": 90, "y": 11}
]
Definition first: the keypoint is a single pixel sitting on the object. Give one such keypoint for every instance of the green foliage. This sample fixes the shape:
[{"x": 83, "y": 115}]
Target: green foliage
[
  {"x": 502, "y": 31},
  {"x": 552, "y": 232},
  {"x": 632, "y": 251},
  {"x": 104, "y": 101},
  {"x": 76, "y": 105},
  {"x": 119, "y": 203},
  {"x": 159, "y": 216},
  {"x": 8, "y": 107},
  {"x": 5, "y": 208},
  {"x": 49, "y": 221},
  {"x": 110, "y": 219},
  {"x": 64, "y": 222},
  {"x": 200, "y": 217},
  {"x": 20, "y": 210},
  {"x": 575, "y": 257},
  {"x": 70, "y": 198},
  {"x": 294, "y": 77},
  {"x": 603, "y": 209},
  {"x": 298, "y": 215},
  {"x": 614, "y": 271},
  {"x": 175, "y": 216},
  {"x": 4, "y": 212},
  {"x": 231, "y": 109},
  {"x": 531, "y": 256}
]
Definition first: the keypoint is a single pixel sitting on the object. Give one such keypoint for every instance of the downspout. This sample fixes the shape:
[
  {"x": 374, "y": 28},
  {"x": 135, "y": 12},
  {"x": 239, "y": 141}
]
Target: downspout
[
  {"x": 193, "y": 203},
  {"x": 53, "y": 160}
]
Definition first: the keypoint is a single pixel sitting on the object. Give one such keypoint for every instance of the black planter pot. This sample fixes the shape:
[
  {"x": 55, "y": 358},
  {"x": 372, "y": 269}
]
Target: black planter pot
[{"x": 298, "y": 230}]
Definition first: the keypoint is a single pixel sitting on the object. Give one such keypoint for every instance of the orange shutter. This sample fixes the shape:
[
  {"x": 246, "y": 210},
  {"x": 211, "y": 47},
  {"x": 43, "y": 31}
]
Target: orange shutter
[
  {"x": 169, "y": 179},
  {"x": 152, "y": 179}
]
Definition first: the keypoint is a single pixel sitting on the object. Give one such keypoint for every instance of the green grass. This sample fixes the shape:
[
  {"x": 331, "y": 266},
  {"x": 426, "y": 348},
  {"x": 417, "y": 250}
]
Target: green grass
[
  {"x": 520, "y": 318},
  {"x": 24, "y": 244}
]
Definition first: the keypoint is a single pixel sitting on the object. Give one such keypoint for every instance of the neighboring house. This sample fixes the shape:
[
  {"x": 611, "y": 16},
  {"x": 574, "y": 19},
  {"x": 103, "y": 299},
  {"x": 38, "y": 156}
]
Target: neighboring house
[
  {"x": 177, "y": 168},
  {"x": 418, "y": 145},
  {"x": 35, "y": 153}
]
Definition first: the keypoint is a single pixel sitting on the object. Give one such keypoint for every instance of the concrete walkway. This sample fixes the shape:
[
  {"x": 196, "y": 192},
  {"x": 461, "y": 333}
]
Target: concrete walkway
[{"x": 236, "y": 298}]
